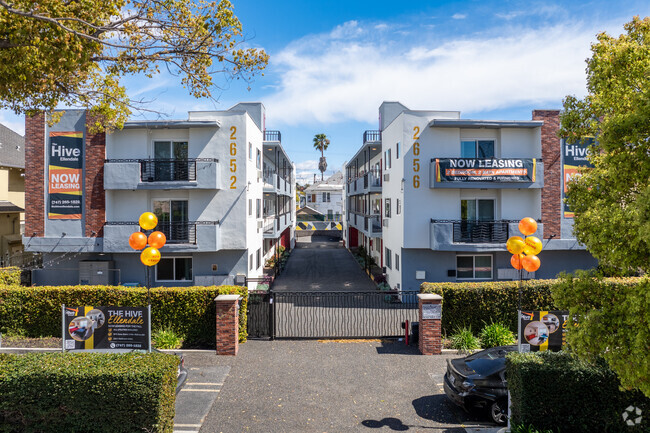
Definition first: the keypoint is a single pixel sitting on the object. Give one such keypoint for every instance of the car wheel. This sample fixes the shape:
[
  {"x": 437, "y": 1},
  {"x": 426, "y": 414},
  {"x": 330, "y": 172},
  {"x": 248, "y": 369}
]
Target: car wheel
[{"x": 498, "y": 412}]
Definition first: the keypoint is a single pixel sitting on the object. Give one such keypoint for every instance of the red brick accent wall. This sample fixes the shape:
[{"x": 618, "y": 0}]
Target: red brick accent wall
[
  {"x": 95, "y": 200},
  {"x": 227, "y": 328},
  {"x": 552, "y": 158},
  {"x": 430, "y": 338},
  {"x": 35, "y": 175}
]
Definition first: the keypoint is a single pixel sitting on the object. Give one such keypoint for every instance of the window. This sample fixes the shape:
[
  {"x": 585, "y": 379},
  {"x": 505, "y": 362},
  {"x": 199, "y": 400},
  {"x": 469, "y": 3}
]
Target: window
[
  {"x": 259, "y": 255},
  {"x": 477, "y": 149},
  {"x": 387, "y": 254},
  {"x": 398, "y": 205},
  {"x": 250, "y": 207},
  {"x": 388, "y": 158},
  {"x": 259, "y": 209},
  {"x": 396, "y": 262},
  {"x": 330, "y": 215},
  {"x": 477, "y": 210},
  {"x": 173, "y": 219},
  {"x": 387, "y": 210},
  {"x": 474, "y": 267},
  {"x": 259, "y": 160},
  {"x": 250, "y": 262},
  {"x": 170, "y": 162},
  {"x": 397, "y": 150},
  {"x": 326, "y": 197},
  {"x": 250, "y": 151},
  {"x": 174, "y": 269}
]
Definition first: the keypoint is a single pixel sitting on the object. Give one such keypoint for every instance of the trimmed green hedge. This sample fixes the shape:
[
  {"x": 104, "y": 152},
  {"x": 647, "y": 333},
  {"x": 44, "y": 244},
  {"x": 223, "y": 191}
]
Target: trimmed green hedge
[
  {"x": 81, "y": 392},
  {"x": 558, "y": 391},
  {"x": 10, "y": 276},
  {"x": 189, "y": 311},
  {"x": 478, "y": 304}
]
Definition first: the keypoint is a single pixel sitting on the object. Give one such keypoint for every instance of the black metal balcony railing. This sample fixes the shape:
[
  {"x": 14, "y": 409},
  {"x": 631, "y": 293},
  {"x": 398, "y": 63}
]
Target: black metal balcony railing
[
  {"x": 369, "y": 136},
  {"x": 272, "y": 136},
  {"x": 479, "y": 232},
  {"x": 166, "y": 170},
  {"x": 176, "y": 232}
]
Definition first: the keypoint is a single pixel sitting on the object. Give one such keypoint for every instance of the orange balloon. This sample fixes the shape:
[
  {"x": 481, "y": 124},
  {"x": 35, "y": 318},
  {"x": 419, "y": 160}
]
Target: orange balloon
[
  {"x": 150, "y": 256},
  {"x": 530, "y": 263},
  {"x": 515, "y": 261},
  {"x": 157, "y": 239},
  {"x": 138, "y": 240},
  {"x": 527, "y": 226},
  {"x": 148, "y": 221}
]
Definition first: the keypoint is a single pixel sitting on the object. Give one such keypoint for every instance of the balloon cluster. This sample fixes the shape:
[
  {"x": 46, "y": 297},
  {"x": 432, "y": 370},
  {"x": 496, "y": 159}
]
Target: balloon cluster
[
  {"x": 156, "y": 240},
  {"x": 524, "y": 251}
]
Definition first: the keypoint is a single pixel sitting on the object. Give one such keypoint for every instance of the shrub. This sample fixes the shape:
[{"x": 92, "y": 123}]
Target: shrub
[
  {"x": 10, "y": 276},
  {"x": 496, "y": 334},
  {"x": 104, "y": 393},
  {"x": 464, "y": 341},
  {"x": 521, "y": 428},
  {"x": 189, "y": 311},
  {"x": 166, "y": 338},
  {"x": 557, "y": 391},
  {"x": 474, "y": 304}
]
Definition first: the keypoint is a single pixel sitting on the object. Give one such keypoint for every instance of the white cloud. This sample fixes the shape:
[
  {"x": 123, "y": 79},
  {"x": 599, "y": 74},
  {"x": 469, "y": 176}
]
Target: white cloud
[
  {"x": 459, "y": 16},
  {"x": 311, "y": 164},
  {"x": 325, "y": 79}
]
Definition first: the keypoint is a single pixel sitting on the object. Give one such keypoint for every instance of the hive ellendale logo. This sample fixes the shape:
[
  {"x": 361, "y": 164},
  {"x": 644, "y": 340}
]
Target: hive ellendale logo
[{"x": 66, "y": 154}]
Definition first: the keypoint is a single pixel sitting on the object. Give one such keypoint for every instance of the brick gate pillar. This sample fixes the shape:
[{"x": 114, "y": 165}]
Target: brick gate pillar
[
  {"x": 430, "y": 340},
  {"x": 227, "y": 324}
]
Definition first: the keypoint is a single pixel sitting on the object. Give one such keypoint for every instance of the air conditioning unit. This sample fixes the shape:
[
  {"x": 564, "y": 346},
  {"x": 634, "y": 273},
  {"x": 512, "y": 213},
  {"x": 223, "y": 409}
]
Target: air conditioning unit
[
  {"x": 386, "y": 177},
  {"x": 385, "y": 224},
  {"x": 259, "y": 175},
  {"x": 260, "y": 224}
]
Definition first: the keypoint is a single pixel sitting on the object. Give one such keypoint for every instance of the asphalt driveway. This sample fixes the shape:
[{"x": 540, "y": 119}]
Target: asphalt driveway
[
  {"x": 312, "y": 386},
  {"x": 322, "y": 264}
]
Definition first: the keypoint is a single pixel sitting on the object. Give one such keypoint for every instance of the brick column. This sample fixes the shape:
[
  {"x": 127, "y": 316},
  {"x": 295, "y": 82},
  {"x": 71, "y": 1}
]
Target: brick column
[
  {"x": 430, "y": 340},
  {"x": 227, "y": 324},
  {"x": 552, "y": 157},
  {"x": 35, "y": 175},
  {"x": 95, "y": 202}
]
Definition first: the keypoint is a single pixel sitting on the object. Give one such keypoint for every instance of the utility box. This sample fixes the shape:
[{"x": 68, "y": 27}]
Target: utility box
[{"x": 96, "y": 273}]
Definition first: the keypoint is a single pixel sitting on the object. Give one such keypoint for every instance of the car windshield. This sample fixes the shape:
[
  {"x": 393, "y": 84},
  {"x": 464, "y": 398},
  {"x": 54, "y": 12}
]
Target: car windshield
[{"x": 493, "y": 353}]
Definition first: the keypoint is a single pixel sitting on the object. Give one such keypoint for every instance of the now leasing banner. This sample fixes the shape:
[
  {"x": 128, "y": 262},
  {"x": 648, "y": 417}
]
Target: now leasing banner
[
  {"x": 65, "y": 175},
  {"x": 485, "y": 170},
  {"x": 105, "y": 328}
]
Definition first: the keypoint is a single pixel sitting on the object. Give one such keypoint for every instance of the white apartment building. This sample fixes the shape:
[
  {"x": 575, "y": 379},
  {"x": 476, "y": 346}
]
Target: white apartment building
[
  {"x": 203, "y": 177},
  {"x": 434, "y": 197},
  {"x": 327, "y": 197}
]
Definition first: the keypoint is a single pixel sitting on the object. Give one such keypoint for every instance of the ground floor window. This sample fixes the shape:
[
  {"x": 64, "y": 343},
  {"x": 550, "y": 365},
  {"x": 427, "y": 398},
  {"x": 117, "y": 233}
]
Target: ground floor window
[
  {"x": 174, "y": 269},
  {"x": 474, "y": 267}
]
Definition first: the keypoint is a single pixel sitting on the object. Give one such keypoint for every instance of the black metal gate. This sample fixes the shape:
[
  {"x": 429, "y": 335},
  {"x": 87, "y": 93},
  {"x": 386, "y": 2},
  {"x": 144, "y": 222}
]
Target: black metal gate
[{"x": 373, "y": 314}]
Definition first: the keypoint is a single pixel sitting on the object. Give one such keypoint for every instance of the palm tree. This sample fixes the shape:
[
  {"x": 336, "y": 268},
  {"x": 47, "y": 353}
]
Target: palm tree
[{"x": 320, "y": 143}]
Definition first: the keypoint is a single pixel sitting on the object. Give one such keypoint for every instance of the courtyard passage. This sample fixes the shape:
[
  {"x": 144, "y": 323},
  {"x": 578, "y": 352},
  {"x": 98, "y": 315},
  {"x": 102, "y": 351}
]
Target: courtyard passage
[{"x": 320, "y": 264}]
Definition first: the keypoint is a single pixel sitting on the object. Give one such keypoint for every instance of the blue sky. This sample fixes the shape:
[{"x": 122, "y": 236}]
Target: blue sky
[{"x": 332, "y": 63}]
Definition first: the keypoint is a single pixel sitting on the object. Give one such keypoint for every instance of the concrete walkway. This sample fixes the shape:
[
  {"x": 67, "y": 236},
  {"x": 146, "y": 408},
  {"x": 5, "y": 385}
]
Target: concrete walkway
[
  {"x": 320, "y": 264},
  {"x": 311, "y": 386}
]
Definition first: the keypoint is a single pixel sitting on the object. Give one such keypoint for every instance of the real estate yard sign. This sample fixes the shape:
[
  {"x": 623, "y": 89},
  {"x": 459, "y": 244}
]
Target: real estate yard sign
[
  {"x": 575, "y": 158},
  {"x": 106, "y": 328},
  {"x": 542, "y": 330},
  {"x": 65, "y": 175}
]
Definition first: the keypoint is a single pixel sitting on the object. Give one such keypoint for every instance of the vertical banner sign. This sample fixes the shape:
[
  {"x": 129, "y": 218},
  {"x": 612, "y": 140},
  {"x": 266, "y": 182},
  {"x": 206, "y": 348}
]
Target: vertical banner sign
[
  {"x": 542, "y": 330},
  {"x": 575, "y": 157},
  {"x": 65, "y": 175},
  {"x": 106, "y": 328}
]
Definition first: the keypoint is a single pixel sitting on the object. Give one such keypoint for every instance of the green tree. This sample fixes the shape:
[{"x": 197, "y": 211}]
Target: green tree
[
  {"x": 612, "y": 204},
  {"x": 321, "y": 142},
  {"x": 77, "y": 53}
]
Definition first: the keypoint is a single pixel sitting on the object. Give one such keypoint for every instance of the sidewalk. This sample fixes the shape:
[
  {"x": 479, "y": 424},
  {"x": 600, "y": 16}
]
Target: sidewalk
[{"x": 311, "y": 386}]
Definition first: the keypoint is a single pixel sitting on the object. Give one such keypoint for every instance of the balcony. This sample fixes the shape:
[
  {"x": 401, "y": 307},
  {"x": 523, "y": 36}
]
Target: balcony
[
  {"x": 181, "y": 236},
  {"x": 275, "y": 184},
  {"x": 274, "y": 225},
  {"x": 131, "y": 174},
  {"x": 371, "y": 137},
  {"x": 487, "y": 173},
  {"x": 274, "y": 136},
  {"x": 460, "y": 235},
  {"x": 367, "y": 183}
]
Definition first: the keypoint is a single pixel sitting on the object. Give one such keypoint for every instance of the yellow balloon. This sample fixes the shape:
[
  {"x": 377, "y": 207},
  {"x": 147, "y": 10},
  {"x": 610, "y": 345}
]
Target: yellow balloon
[
  {"x": 150, "y": 256},
  {"x": 533, "y": 246},
  {"x": 148, "y": 221},
  {"x": 515, "y": 245}
]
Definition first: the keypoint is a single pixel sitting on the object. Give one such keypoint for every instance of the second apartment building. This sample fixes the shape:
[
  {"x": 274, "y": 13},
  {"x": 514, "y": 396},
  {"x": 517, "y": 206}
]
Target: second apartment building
[
  {"x": 203, "y": 177},
  {"x": 434, "y": 197}
]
